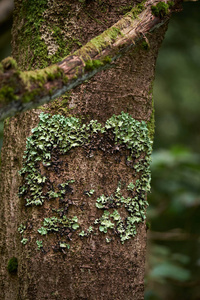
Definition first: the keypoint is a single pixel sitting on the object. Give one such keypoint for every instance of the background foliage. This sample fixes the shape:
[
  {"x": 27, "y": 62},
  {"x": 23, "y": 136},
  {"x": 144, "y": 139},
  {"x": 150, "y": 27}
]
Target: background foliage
[{"x": 173, "y": 262}]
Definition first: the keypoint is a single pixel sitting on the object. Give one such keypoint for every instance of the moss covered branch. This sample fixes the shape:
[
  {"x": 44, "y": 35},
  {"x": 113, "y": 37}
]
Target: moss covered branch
[{"x": 20, "y": 91}]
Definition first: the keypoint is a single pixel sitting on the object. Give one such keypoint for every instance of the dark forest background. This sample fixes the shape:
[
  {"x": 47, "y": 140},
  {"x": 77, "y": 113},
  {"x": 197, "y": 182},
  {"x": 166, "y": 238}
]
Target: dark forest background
[{"x": 173, "y": 260}]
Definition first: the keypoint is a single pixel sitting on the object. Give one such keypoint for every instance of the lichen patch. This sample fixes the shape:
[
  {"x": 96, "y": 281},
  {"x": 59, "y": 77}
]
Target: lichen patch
[
  {"x": 49, "y": 40},
  {"x": 59, "y": 196}
]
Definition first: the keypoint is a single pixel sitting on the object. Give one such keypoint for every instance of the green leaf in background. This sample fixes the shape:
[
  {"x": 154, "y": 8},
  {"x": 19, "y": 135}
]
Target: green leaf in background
[{"x": 168, "y": 270}]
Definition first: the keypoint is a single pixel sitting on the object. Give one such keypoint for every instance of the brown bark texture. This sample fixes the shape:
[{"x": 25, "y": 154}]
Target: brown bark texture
[{"x": 84, "y": 260}]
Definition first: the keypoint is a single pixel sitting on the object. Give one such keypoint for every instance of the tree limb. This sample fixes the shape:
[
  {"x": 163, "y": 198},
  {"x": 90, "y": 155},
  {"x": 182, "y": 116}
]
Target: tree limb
[{"x": 20, "y": 91}]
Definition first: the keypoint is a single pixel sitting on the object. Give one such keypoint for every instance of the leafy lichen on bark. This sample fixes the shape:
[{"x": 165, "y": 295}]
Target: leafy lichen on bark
[{"x": 61, "y": 135}]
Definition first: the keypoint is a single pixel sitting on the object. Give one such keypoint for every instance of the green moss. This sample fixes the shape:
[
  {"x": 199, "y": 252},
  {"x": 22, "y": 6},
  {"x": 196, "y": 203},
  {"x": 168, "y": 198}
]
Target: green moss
[
  {"x": 6, "y": 122},
  {"x": 32, "y": 12},
  {"x": 96, "y": 63},
  {"x": 148, "y": 225},
  {"x": 161, "y": 9},
  {"x": 60, "y": 105},
  {"x": 29, "y": 96},
  {"x": 38, "y": 79},
  {"x": 124, "y": 9},
  {"x": 9, "y": 63},
  {"x": 7, "y": 94},
  {"x": 145, "y": 45},
  {"x": 93, "y": 64},
  {"x": 65, "y": 46},
  {"x": 107, "y": 37},
  {"x": 30, "y": 43},
  {"x": 107, "y": 60},
  {"x": 12, "y": 265},
  {"x": 151, "y": 125},
  {"x": 137, "y": 10},
  {"x": 113, "y": 32},
  {"x": 35, "y": 22},
  {"x": 171, "y": 4},
  {"x": 99, "y": 42}
]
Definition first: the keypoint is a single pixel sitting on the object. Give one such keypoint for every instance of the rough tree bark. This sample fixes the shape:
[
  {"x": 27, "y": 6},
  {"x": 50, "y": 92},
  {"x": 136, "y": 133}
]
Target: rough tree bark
[{"x": 77, "y": 226}]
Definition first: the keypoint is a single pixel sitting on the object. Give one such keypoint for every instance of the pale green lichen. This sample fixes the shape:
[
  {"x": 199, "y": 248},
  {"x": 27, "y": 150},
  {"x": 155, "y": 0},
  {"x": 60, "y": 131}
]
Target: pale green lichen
[
  {"x": 24, "y": 241},
  {"x": 135, "y": 207},
  {"x": 64, "y": 245},
  {"x": 61, "y": 134},
  {"x": 89, "y": 193},
  {"x": 21, "y": 230},
  {"x": 131, "y": 187},
  {"x": 39, "y": 244},
  {"x": 86, "y": 233},
  {"x": 53, "y": 224}
]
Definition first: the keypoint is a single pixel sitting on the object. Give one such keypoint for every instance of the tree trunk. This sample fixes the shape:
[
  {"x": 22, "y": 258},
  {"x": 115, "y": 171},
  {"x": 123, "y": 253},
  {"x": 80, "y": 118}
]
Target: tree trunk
[{"x": 77, "y": 226}]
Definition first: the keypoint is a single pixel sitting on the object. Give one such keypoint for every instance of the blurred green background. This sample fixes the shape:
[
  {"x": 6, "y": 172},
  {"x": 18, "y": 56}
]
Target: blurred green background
[{"x": 173, "y": 260}]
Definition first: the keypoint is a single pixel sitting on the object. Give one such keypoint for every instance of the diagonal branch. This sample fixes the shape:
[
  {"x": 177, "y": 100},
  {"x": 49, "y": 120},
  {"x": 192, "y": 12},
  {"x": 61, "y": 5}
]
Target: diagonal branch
[{"x": 20, "y": 91}]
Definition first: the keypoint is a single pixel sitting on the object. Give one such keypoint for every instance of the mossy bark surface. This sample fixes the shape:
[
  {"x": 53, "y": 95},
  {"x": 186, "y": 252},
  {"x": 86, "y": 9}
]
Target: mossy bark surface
[{"x": 93, "y": 267}]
